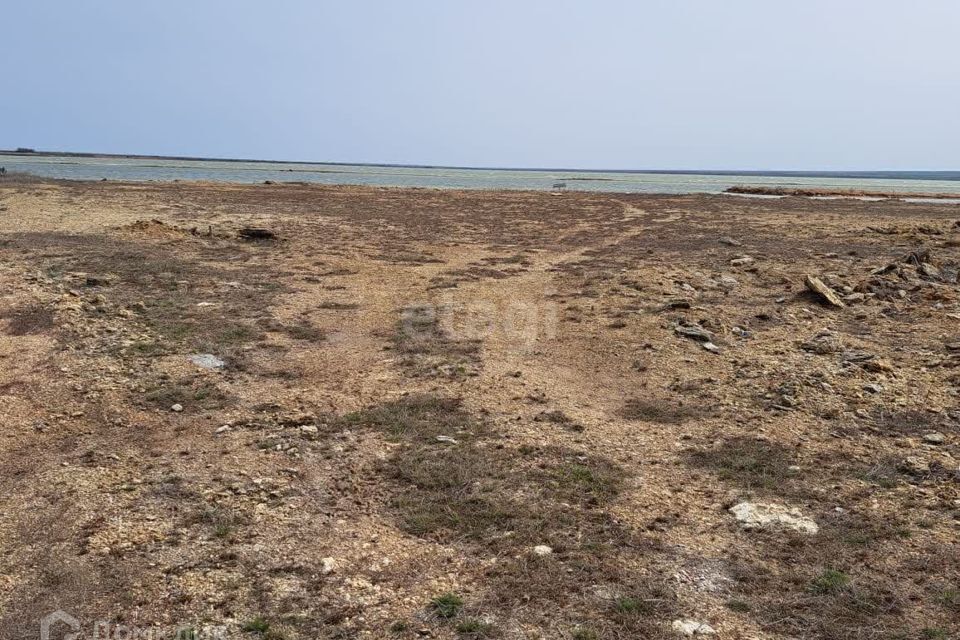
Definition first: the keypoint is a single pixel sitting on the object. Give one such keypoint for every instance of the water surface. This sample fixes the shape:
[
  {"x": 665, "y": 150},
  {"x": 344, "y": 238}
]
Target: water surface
[{"x": 142, "y": 169}]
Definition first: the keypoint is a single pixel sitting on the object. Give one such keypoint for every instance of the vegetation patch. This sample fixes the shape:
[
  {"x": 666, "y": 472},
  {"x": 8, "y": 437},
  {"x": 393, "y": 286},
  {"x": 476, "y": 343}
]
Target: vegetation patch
[
  {"x": 27, "y": 320},
  {"x": 660, "y": 411},
  {"x": 427, "y": 348},
  {"x": 847, "y": 582},
  {"x": 190, "y": 392},
  {"x": 750, "y": 463},
  {"x": 170, "y": 286},
  {"x": 506, "y": 501}
]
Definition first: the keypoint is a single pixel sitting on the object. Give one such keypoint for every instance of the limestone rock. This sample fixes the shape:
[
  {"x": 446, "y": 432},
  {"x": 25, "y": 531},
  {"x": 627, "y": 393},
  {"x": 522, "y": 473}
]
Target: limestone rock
[
  {"x": 207, "y": 361},
  {"x": 754, "y": 515},
  {"x": 693, "y": 628},
  {"x": 816, "y": 285}
]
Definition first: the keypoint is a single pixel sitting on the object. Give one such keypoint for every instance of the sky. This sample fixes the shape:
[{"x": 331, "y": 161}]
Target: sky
[{"x": 617, "y": 84}]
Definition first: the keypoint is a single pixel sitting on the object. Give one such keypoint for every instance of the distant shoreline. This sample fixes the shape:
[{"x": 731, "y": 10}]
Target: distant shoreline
[
  {"x": 898, "y": 175},
  {"x": 835, "y": 193}
]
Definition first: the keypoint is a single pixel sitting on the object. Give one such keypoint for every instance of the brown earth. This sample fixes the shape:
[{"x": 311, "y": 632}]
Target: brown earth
[{"x": 421, "y": 387}]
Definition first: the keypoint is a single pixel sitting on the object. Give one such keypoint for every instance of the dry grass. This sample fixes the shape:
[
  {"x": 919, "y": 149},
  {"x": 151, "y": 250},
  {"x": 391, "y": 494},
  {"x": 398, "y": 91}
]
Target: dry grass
[
  {"x": 844, "y": 584},
  {"x": 161, "y": 283},
  {"x": 29, "y": 320},
  {"x": 748, "y": 462},
  {"x": 191, "y": 392},
  {"x": 505, "y": 501},
  {"x": 427, "y": 348},
  {"x": 661, "y": 411}
]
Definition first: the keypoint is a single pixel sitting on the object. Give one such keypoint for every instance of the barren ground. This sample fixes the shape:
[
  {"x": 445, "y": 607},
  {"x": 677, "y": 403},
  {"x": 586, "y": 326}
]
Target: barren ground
[{"x": 302, "y": 491}]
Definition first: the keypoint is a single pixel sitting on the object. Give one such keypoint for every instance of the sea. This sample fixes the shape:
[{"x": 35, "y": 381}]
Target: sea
[{"x": 665, "y": 182}]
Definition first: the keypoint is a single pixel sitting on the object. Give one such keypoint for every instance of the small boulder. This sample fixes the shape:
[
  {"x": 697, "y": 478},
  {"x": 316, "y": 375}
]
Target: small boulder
[
  {"x": 934, "y": 438},
  {"x": 693, "y": 628},
  {"x": 825, "y": 342},
  {"x": 327, "y": 566},
  {"x": 542, "y": 550},
  {"x": 915, "y": 466}
]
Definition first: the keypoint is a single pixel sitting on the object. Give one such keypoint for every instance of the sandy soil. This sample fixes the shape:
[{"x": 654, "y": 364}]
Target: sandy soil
[{"x": 423, "y": 390}]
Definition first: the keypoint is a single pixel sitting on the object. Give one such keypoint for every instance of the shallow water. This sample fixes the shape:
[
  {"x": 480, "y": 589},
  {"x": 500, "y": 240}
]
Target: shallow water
[{"x": 137, "y": 169}]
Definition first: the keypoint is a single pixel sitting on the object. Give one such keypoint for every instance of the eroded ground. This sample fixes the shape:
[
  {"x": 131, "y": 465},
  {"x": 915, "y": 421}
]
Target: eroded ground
[{"x": 466, "y": 414}]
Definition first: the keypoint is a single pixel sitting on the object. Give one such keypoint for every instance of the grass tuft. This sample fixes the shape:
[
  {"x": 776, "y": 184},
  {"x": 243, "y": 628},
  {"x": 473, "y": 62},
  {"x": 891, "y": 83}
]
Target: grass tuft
[
  {"x": 830, "y": 581},
  {"x": 447, "y": 606}
]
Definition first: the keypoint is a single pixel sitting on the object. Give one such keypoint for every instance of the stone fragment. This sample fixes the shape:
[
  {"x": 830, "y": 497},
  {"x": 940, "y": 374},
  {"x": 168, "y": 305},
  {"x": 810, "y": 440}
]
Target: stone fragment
[{"x": 816, "y": 285}]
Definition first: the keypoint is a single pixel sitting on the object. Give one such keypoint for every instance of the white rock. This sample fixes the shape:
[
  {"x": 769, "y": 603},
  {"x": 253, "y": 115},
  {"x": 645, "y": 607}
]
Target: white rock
[
  {"x": 753, "y": 515},
  {"x": 693, "y": 628},
  {"x": 177, "y": 408},
  {"x": 542, "y": 550},
  {"x": 223, "y": 429},
  {"x": 207, "y": 361},
  {"x": 327, "y": 566},
  {"x": 934, "y": 438},
  {"x": 309, "y": 428},
  {"x": 446, "y": 439}
]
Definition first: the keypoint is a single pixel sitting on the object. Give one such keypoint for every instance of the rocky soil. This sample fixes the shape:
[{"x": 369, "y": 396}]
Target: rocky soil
[{"x": 288, "y": 411}]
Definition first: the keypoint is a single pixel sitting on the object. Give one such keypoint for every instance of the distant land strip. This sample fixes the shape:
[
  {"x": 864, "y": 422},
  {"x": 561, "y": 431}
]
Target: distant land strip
[{"x": 826, "y": 193}]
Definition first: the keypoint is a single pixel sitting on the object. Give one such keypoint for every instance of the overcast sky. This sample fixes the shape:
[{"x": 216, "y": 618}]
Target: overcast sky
[{"x": 632, "y": 84}]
